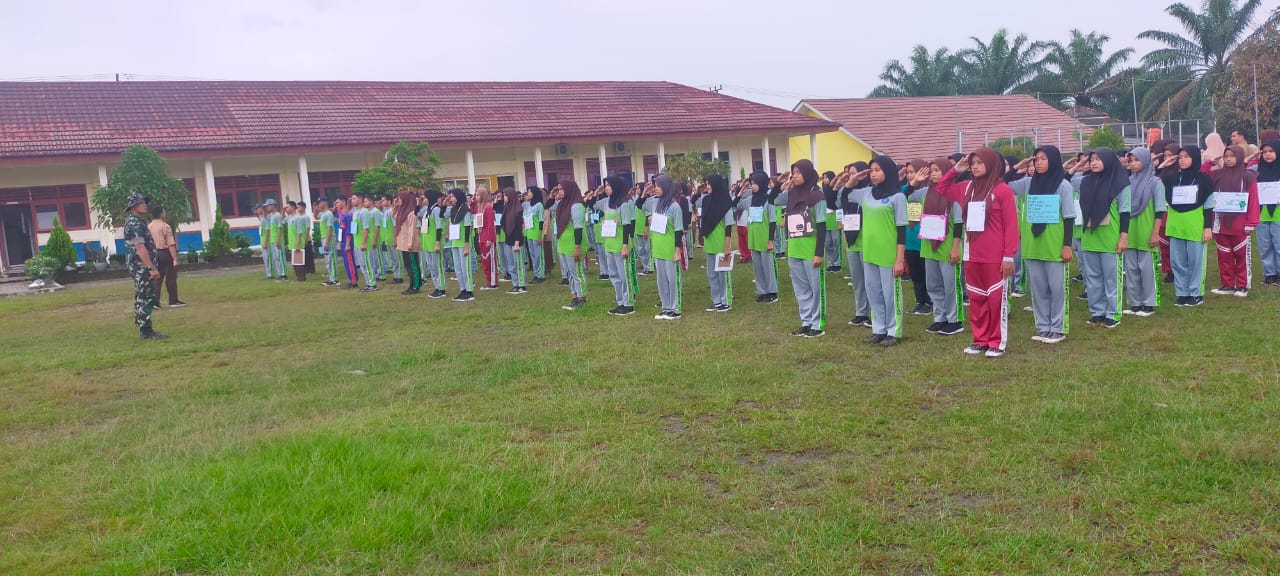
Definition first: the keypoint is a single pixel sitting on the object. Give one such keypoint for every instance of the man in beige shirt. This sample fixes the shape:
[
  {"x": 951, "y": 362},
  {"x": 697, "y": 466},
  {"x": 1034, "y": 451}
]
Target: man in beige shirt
[{"x": 167, "y": 252}]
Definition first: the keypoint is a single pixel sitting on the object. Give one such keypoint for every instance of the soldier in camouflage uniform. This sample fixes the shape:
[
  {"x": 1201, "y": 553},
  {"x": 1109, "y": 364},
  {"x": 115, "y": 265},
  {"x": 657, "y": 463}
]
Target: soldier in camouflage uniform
[{"x": 142, "y": 265}]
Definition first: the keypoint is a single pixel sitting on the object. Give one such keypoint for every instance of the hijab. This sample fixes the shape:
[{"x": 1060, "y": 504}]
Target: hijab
[
  {"x": 758, "y": 199},
  {"x": 408, "y": 206},
  {"x": 854, "y": 207},
  {"x": 1214, "y": 148},
  {"x": 1142, "y": 184},
  {"x": 433, "y": 198},
  {"x": 891, "y": 184},
  {"x": 1235, "y": 178},
  {"x": 564, "y": 206},
  {"x": 666, "y": 192},
  {"x": 618, "y": 194},
  {"x": 715, "y": 205},
  {"x": 536, "y": 196},
  {"x": 982, "y": 186},
  {"x": 1192, "y": 176},
  {"x": 512, "y": 213},
  {"x": 1100, "y": 189},
  {"x": 934, "y": 202},
  {"x": 1009, "y": 173},
  {"x": 460, "y": 208},
  {"x": 1269, "y": 171},
  {"x": 807, "y": 195},
  {"x": 1171, "y": 149},
  {"x": 1047, "y": 183}
]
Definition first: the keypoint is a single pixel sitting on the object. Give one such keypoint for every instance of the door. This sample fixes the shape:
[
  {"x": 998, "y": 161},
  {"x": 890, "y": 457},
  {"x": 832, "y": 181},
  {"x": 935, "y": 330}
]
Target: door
[{"x": 18, "y": 233}]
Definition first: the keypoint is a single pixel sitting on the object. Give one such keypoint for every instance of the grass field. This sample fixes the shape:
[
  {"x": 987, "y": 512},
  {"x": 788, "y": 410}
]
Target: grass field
[{"x": 294, "y": 429}]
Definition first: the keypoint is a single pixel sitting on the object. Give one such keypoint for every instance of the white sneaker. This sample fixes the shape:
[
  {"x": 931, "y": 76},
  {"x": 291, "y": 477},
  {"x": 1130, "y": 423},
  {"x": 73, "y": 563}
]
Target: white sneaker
[
  {"x": 1054, "y": 338},
  {"x": 1028, "y": 309},
  {"x": 995, "y": 353},
  {"x": 1039, "y": 337}
]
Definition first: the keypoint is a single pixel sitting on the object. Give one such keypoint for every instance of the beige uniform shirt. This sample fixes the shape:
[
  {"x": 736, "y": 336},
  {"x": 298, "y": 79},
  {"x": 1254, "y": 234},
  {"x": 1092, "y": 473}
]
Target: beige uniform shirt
[{"x": 163, "y": 234}]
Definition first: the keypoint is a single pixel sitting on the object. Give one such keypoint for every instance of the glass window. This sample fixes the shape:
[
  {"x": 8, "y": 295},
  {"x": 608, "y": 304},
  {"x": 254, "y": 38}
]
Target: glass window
[
  {"x": 77, "y": 215},
  {"x": 226, "y": 203},
  {"x": 246, "y": 200},
  {"x": 45, "y": 213}
]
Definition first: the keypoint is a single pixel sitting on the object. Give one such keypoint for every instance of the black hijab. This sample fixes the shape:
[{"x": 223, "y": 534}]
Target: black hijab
[
  {"x": 666, "y": 192},
  {"x": 1269, "y": 171},
  {"x": 618, "y": 192},
  {"x": 1100, "y": 189},
  {"x": 1048, "y": 182},
  {"x": 715, "y": 205},
  {"x": 1192, "y": 176},
  {"x": 460, "y": 208},
  {"x": 806, "y": 196},
  {"x": 512, "y": 214},
  {"x": 433, "y": 198},
  {"x": 891, "y": 184},
  {"x": 759, "y": 199},
  {"x": 535, "y": 196}
]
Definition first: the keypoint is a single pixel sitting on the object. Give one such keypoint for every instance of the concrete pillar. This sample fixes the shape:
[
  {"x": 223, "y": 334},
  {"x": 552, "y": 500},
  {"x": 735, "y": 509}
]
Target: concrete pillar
[
  {"x": 813, "y": 151},
  {"x": 764, "y": 156},
  {"x": 537, "y": 167},
  {"x": 304, "y": 183},
  {"x": 471, "y": 171},
  {"x": 604, "y": 163},
  {"x": 715, "y": 149},
  {"x": 662, "y": 156},
  {"x": 106, "y": 236},
  {"x": 212, "y": 194}
]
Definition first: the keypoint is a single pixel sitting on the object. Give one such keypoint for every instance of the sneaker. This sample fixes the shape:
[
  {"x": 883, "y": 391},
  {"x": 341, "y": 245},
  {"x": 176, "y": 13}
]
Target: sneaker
[
  {"x": 995, "y": 353},
  {"x": 888, "y": 342},
  {"x": 917, "y": 310},
  {"x": 328, "y": 283},
  {"x": 722, "y": 308},
  {"x": 177, "y": 304},
  {"x": 933, "y": 328},
  {"x": 615, "y": 311},
  {"x": 815, "y": 333},
  {"x": 833, "y": 269},
  {"x": 1083, "y": 296},
  {"x": 1132, "y": 310},
  {"x": 1028, "y": 309},
  {"x": 926, "y": 309},
  {"x": 437, "y": 294},
  {"x": 760, "y": 299},
  {"x": 874, "y": 339},
  {"x": 1054, "y": 338},
  {"x": 369, "y": 289},
  {"x": 951, "y": 329},
  {"x": 489, "y": 287},
  {"x": 410, "y": 291},
  {"x": 604, "y": 276},
  {"x": 574, "y": 304},
  {"x": 349, "y": 287},
  {"x": 398, "y": 281},
  {"x": 1078, "y": 278},
  {"x": 974, "y": 349},
  {"x": 801, "y": 331},
  {"x": 667, "y": 315},
  {"x": 711, "y": 308},
  {"x": 152, "y": 335},
  {"x": 1094, "y": 320},
  {"x": 1195, "y": 301},
  {"x": 537, "y": 280},
  {"x": 965, "y": 303},
  {"x": 1145, "y": 311},
  {"x": 770, "y": 299},
  {"x": 1110, "y": 322},
  {"x": 1017, "y": 294},
  {"x": 563, "y": 282},
  {"x": 514, "y": 290},
  {"x": 861, "y": 321},
  {"x": 626, "y": 311},
  {"x": 1040, "y": 336},
  {"x": 1242, "y": 292},
  {"x": 645, "y": 273},
  {"x": 463, "y": 297},
  {"x": 1168, "y": 278},
  {"x": 283, "y": 277},
  {"x": 1224, "y": 290}
]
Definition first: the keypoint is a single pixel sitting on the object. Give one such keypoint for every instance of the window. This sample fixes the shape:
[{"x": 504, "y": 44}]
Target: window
[
  {"x": 724, "y": 155},
  {"x": 45, "y": 215},
  {"x": 331, "y": 184},
  {"x": 76, "y": 214},
  {"x": 757, "y": 161},
  {"x": 191, "y": 197},
  {"x": 239, "y": 195},
  {"x": 68, "y": 203}
]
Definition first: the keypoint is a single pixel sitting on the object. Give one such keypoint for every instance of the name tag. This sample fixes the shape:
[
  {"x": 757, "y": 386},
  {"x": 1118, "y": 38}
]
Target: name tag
[
  {"x": 659, "y": 223},
  {"x": 914, "y": 211},
  {"x": 851, "y": 222},
  {"x": 1043, "y": 208},
  {"x": 1269, "y": 193},
  {"x": 1231, "y": 202},
  {"x": 933, "y": 227},
  {"x": 479, "y": 221},
  {"x": 839, "y": 215},
  {"x": 455, "y": 232},
  {"x": 528, "y": 221},
  {"x": 976, "y": 220},
  {"x": 755, "y": 214},
  {"x": 609, "y": 229},
  {"x": 355, "y": 227},
  {"x": 497, "y": 219},
  {"x": 1185, "y": 194}
]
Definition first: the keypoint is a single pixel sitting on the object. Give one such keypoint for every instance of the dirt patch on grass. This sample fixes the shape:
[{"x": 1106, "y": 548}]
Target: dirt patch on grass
[
  {"x": 674, "y": 425},
  {"x": 764, "y": 461}
]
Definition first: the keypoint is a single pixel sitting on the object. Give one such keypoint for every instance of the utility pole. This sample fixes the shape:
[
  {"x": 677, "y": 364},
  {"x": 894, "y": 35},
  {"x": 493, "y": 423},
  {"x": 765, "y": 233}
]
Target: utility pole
[
  {"x": 1136, "y": 117},
  {"x": 1257, "y": 124}
]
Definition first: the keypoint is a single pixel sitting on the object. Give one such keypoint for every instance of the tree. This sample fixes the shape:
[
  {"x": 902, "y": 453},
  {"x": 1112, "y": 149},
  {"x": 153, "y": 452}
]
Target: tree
[
  {"x": 1105, "y": 136},
  {"x": 407, "y": 164},
  {"x": 1191, "y": 64},
  {"x": 1235, "y": 89},
  {"x": 931, "y": 74},
  {"x": 1020, "y": 147},
  {"x": 1000, "y": 66},
  {"x": 1083, "y": 70},
  {"x": 220, "y": 242},
  {"x": 141, "y": 170},
  {"x": 60, "y": 246},
  {"x": 694, "y": 166}
]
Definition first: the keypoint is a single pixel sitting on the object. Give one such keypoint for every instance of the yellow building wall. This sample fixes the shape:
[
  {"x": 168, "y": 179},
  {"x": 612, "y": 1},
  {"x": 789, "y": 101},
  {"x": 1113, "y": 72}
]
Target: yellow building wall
[{"x": 835, "y": 149}]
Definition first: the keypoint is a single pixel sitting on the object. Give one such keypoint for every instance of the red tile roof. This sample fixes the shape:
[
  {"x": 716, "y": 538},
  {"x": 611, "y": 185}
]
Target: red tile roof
[
  {"x": 43, "y": 119},
  {"x": 926, "y": 127}
]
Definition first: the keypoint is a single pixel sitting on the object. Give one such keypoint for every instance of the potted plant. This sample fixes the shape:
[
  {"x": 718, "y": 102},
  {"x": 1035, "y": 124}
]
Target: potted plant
[
  {"x": 42, "y": 270},
  {"x": 193, "y": 257},
  {"x": 95, "y": 256}
]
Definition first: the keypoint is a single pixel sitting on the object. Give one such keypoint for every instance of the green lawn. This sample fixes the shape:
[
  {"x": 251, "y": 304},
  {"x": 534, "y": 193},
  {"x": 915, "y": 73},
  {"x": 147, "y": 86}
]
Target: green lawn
[{"x": 508, "y": 436}]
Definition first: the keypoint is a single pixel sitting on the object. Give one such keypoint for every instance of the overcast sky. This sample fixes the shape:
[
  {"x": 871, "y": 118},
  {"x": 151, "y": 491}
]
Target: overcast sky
[{"x": 769, "y": 51}]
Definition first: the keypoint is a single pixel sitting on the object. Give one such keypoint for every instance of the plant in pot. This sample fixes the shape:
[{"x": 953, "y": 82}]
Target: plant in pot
[
  {"x": 95, "y": 256},
  {"x": 218, "y": 249},
  {"x": 193, "y": 257},
  {"x": 42, "y": 270}
]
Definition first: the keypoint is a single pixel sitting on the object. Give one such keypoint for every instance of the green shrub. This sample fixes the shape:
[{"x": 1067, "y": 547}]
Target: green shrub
[
  {"x": 60, "y": 246},
  {"x": 1105, "y": 136},
  {"x": 43, "y": 267},
  {"x": 220, "y": 242}
]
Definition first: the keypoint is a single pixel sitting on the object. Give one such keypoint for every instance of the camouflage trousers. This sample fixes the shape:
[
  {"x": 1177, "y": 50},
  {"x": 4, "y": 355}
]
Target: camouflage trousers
[{"x": 145, "y": 297}]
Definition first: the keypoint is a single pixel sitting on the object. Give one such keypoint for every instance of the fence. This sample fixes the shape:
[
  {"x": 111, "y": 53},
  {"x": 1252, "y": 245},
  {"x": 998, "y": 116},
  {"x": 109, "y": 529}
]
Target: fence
[{"x": 1071, "y": 139}]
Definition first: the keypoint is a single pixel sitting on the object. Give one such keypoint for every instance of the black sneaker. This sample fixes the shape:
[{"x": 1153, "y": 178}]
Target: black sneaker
[
  {"x": 463, "y": 297},
  {"x": 722, "y": 308},
  {"x": 437, "y": 294},
  {"x": 1110, "y": 322},
  {"x": 760, "y": 299},
  {"x": 1054, "y": 338},
  {"x": 1182, "y": 302},
  {"x": 410, "y": 291},
  {"x": 813, "y": 333},
  {"x": 1196, "y": 301},
  {"x": 1133, "y": 310},
  {"x": 1078, "y": 278},
  {"x": 177, "y": 304},
  {"x": 770, "y": 299},
  {"x": 933, "y": 328},
  {"x": 328, "y": 283},
  {"x": 574, "y": 304},
  {"x": 711, "y": 308},
  {"x": 563, "y": 282},
  {"x": 626, "y": 310},
  {"x": 833, "y": 268},
  {"x": 1224, "y": 290},
  {"x": 801, "y": 331},
  {"x": 152, "y": 335},
  {"x": 1083, "y": 296},
  {"x": 1094, "y": 320},
  {"x": 1242, "y": 292},
  {"x": 917, "y": 309},
  {"x": 864, "y": 321},
  {"x": 874, "y": 339},
  {"x": 537, "y": 280},
  {"x": 1018, "y": 294},
  {"x": 369, "y": 289},
  {"x": 615, "y": 311},
  {"x": 1144, "y": 311},
  {"x": 888, "y": 342},
  {"x": 951, "y": 329}
]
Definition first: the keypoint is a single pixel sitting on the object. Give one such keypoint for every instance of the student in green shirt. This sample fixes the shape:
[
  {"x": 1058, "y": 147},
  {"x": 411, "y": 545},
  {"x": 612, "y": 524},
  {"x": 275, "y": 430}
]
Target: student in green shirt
[
  {"x": 531, "y": 223},
  {"x": 1047, "y": 240},
  {"x": 617, "y": 227},
  {"x": 1104, "y": 203},
  {"x": 275, "y": 237},
  {"x": 1147, "y": 211},
  {"x": 667, "y": 244},
  {"x": 388, "y": 247},
  {"x": 371, "y": 220},
  {"x": 328, "y": 247},
  {"x": 852, "y": 185},
  {"x": 366, "y": 244},
  {"x": 571, "y": 221},
  {"x": 456, "y": 231},
  {"x": 884, "y": 233},
  {"x": 762, "y": 224},
  {"x": 430, "y": 216},
  {"x": 264, "y": 239},
  {"x": 941, "y": 256},
  {"x": 715, "y": 223},
  {"x": 805, "y": 219}
]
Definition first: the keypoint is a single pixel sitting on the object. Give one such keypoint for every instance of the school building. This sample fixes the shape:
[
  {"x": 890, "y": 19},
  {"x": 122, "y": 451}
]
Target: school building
[{"x": 236, "y": 144}]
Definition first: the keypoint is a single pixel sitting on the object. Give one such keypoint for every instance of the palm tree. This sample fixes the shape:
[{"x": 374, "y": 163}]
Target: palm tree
[
  {"x": 930, "y": 75},
  {"x": 1190, "y": 64},
  {"x": 1083, "y": 70},
  {"x": 999, "y": 66}
]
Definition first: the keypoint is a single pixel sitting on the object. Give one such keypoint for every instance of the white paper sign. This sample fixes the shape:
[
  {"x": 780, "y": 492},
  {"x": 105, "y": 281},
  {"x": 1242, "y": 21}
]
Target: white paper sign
[
  {"x": 1231, "y": 202},
  {"x": 609, "y": 228},
  {"x": 1268, "y": 193},
  {"x": 724, "y": 263},
  {"x": 933, "y": 227},
  {"x": 851, "y": 222},
  {"x": 1185, "y": 194},
  {"x": 976, "y": 220},
  {"x": 497, "y": 220},
  {"x": 796, "y": 226},
  {"x": 528, "y": 221},
  {"x": 455, "y": 232},
  {"x": 659, "y": 223},
  {"x": 755, "y": 214},
  {"x": 479, "y": 221}
]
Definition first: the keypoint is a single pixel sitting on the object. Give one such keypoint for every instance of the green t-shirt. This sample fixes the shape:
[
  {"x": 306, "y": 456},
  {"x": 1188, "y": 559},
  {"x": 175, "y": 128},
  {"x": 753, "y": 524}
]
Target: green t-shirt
[
  {"x": 758, "y": 221},
  {"x": 532, "y": 224},
  {"x": 943, "y": 252},
  {"x": 326, "y": 224},
  {"x": 713, "y": 243},
  {"x": 368, "y": 224},
  {"x": 565, "y": 241},
  {"x": 1106, "y": 237},
  {"x": 806, "y": 247},
  {"x": 291, "y": 227},
  {"x": 1047, "y": 247},
  {"x": 1143, "y": 225},
  {"x": 853, "y": 197},
  {"x": 624, "y": 215},
  {"x": 880, "y": 221},
  {"x": 464, "y": 229},
  {"x": 663, "y": 244}
]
